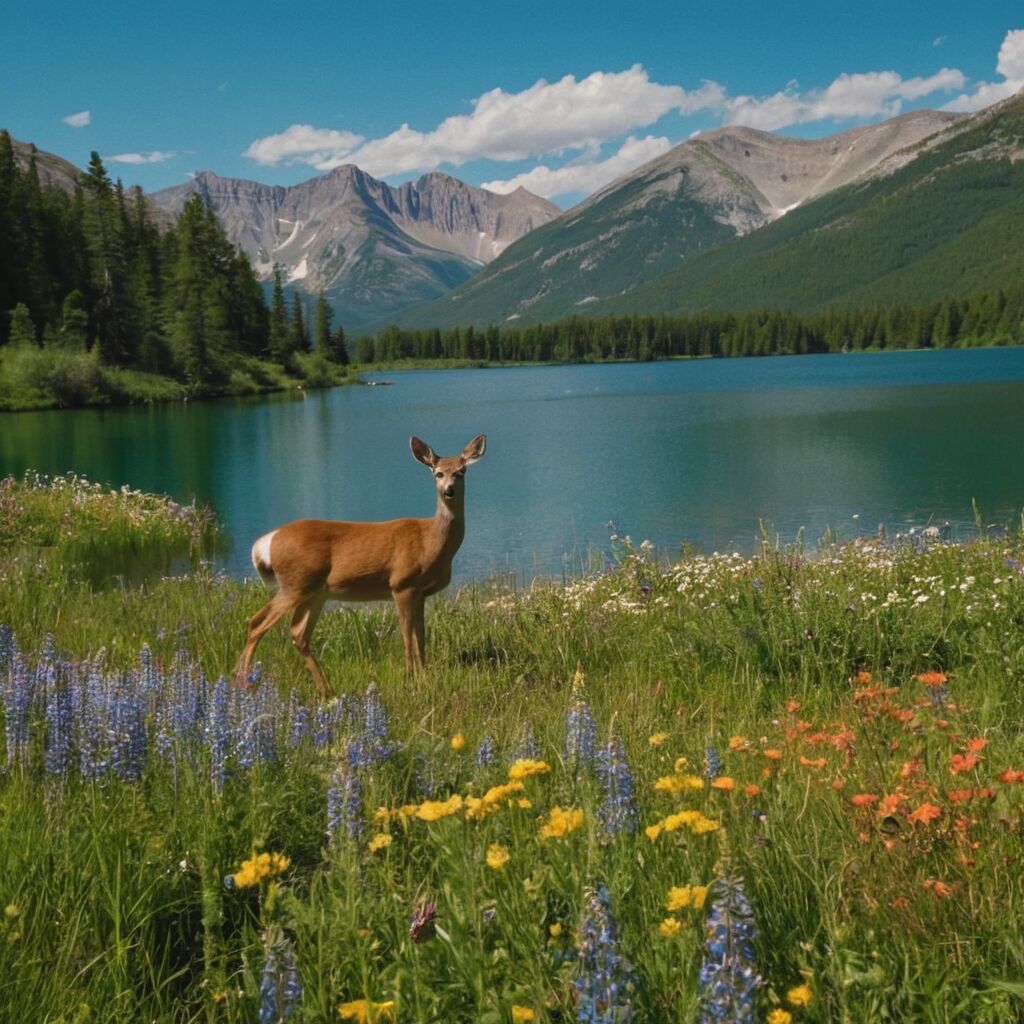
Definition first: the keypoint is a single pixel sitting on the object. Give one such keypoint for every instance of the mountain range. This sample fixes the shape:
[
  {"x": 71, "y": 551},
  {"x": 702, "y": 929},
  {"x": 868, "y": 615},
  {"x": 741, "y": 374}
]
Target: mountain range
[
  {"x": 925, "y": 205},
  {"x": 374, "y": 250}
]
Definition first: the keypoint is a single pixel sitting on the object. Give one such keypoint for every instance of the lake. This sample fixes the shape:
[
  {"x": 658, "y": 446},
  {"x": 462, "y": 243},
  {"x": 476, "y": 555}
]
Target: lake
[{"x": 690, "y": 451}]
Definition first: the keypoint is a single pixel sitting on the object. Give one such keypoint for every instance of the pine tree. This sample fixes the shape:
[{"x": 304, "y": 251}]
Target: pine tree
[
  {"x": 323, "y": 326},
  {"x": 298, "y": 339},
  {"x": 23, "y": 330},
  {"x": 278, "y": 339}
]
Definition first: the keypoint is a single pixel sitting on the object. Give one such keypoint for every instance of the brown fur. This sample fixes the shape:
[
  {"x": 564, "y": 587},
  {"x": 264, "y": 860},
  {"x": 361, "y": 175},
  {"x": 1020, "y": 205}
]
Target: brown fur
[{"x": 316, "y": 560}]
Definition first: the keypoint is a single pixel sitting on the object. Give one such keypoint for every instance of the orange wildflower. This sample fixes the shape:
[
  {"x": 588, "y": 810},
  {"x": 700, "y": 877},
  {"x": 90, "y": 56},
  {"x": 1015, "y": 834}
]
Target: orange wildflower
[
  {"x": 962, "y": 763},
  {"x": 911, "y": 767},
  {"x": 976, "y": 746},
  {"x": 900, "y": 903},
  {"x": 1012, "y": 775},
  {"x": 890, "y": 804},
  {"x": 792, "y": 705},
  {"x": 932, "y": 678},
  {"x": 818, "y": 762},
  {"x": 862, "y": 678},
  {"x": 863, "y": 799},
  {"x": 772, "y": 754},
  {"x": 939, "y": 888},
  {"x": 959, "y": 795},
  {"x": 724, "y": 782},
  {"x": 925, "y": 813},
  {"x": 752, "y": 790}
]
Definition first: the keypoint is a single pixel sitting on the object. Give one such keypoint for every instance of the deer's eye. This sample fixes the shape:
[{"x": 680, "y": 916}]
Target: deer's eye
[{"x": 439, "y": 474}]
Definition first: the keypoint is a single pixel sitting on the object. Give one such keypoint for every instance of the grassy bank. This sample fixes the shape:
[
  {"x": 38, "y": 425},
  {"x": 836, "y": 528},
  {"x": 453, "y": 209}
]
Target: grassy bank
[
  {"x": 37, "y": 378},
  {"x": 784, "y": 785}
]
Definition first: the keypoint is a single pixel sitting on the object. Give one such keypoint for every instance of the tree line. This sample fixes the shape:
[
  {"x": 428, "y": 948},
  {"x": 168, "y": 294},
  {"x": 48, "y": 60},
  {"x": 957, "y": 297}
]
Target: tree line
[
  {"x": 991, "y": 317},
  {"x": 91, "y": 273}
]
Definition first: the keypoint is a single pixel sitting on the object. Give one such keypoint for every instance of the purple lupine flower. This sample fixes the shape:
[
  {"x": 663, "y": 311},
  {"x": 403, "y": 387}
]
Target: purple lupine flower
[
  {"x": 18, "y": 695},
  {"x": 8, "y": 648},
  {"x": 605, "y": 981},
  {"x": 527, "y": 747},
  {"x": 59, "y": 723},
  {"x": 374, "y": 745},
  {"x": 485, "y": 752},
  {"x": 298, "y": 718},
  {"x": 580, "y": 732},
  {"x": 217, "y": 733},
  {"x": 618, "y": 812},
  {"x": 712, "y": 762},
  {"x": 280, "y": 988},
  {"x": 728, "y": 975},
  {"x": 345, "y": 799},
  {"x": 128, "y": 739},
  {"x": 90, "y": 721}
]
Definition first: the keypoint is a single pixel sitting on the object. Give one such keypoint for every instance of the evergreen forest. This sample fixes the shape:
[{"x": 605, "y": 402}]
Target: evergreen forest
[{"x": 104, "y": 300}]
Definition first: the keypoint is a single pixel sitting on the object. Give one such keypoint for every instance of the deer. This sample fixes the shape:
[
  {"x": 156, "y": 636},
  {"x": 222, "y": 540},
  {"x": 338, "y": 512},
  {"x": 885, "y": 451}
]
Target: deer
[{"x": 312, "y": 561}]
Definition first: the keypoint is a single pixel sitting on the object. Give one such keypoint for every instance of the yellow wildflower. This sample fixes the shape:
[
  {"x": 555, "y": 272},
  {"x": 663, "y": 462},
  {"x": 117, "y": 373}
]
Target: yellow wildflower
[
  {"x": 656, "y": 739},
  {"x": 522, "y": 1013},
  {"x": 554, "y": 930},
  {"x": 525, "y": 767},
  {"x": 703, "y": 825},
  {"x": 434, "y": 810},
  {"x": 698, "y": 894},
  {"x": 738, "y": 742},
  {"x": 676, "y": 784},
  {"x": 561, "y": 823},
  {"x": 669, "y": 927},
  {"x": 799, "y": 996},
  {"x": 679, "y": 896},
  {"x": 681, "y": 763},
  {"x": 653, "y": 831},
  {"x": 362, "y": 1011},
  {"x": 724, "y": 782},
  {"x": 379, "y": 841},
  {"x": 497, "y": 856},
  {"x": 779, "y": 1016},
  {"x": 260, "y": 866},
  {"x": 524, "y": 804},
  {"x": 381, "y": 816},
  {"x": 480, "y": 807},
  {"x": 458, "y": 741}
]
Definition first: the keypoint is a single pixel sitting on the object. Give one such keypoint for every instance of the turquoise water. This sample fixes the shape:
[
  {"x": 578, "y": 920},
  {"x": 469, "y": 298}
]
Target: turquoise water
[{"x": 696, "y": 451}]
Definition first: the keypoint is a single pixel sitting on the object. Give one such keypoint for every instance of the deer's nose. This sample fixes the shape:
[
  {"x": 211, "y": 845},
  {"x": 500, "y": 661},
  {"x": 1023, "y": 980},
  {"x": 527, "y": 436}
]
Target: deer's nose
[{"x": 449, "y": 491}]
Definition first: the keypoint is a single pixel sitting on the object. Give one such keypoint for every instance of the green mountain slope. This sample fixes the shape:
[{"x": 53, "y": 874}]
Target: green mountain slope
[
  {"x": 912, "y": 210},
  {"x": 947, "y": 223}
]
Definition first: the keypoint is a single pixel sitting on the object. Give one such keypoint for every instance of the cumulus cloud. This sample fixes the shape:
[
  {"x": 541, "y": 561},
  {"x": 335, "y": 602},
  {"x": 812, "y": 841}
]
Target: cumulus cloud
[
  {"x": 584, "y": 176},
  {"x": 322, "y": 148},
  {"x": 870, "y": 94},
  {"x": 549, "y": 117},
  {"x": 79, "y": 120},
  {"x": 156, "y": 156},
  {"x": 1009, "y": 64}
]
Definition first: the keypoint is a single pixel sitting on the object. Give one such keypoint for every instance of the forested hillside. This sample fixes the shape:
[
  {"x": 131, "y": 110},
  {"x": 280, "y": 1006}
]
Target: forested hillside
[
  {"x": 991, "y": 317},
  {"x": 97, "y": 303}
]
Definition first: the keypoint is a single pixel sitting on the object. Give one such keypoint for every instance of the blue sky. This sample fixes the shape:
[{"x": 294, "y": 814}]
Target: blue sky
[{"x": 559, "y": 97}]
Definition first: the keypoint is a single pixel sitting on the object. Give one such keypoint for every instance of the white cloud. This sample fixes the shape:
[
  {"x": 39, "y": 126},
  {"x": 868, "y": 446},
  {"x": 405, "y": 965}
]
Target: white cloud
[
  {"x": 547, "y": 118},
  {"x": 156, "y": 156},
  {"x": 865, "y": 95},
  {"x": 302, "y": 143},
  {"x": 1009, "y": 64},
  {"x": 584, "y": 176},
  {"x": 79, "y": 120}
]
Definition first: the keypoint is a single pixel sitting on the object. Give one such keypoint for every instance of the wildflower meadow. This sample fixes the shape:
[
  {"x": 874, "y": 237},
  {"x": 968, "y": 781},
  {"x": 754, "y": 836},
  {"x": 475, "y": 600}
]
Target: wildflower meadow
[{"x": 781, "y": 788}]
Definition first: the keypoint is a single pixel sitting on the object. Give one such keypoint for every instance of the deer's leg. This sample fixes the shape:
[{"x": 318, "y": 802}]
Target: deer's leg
[
  {"x": 304, "y": 620},
  {"x": 259, "y": 624},
  {"x": 410, "y": 605},
  {"x": 419, "y": 634}
]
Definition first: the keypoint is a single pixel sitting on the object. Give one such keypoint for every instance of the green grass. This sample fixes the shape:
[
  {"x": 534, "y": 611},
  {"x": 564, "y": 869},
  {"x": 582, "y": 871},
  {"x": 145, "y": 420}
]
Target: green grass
[{"x": 116, "y": 903}]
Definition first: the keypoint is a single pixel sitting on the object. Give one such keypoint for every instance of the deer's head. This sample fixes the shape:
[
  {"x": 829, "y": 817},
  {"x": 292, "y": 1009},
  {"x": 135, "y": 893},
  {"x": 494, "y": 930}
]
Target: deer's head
[{"x": 449, "y": 473}]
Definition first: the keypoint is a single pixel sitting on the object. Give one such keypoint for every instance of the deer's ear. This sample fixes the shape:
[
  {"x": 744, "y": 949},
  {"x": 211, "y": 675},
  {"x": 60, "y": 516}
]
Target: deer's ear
[
  {"x": 474, "y": 450},
  {"x": 422, "y": 452}
]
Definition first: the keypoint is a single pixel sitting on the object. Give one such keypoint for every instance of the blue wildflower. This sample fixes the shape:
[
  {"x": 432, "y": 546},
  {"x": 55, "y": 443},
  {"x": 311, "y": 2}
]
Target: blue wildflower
[
  {"x": 345, "y": 799},
  {"x": 580, "y": 730},
  {"x": 618, "y": 812},
  {"x": 18, "y": 696},
  {"x": 485, "y": 752},
  {"x": 712, "y": 762},
  {"x": 728, "y": 975},
  {"x": 217, "y": 733},
  {"x": 298, "y": 716},
  {"x": 59, "y": 724},
  {"x": 280, "y": 988},
  {"x": 605, "y": 980},
  {"x": 527, "y": 747}
]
